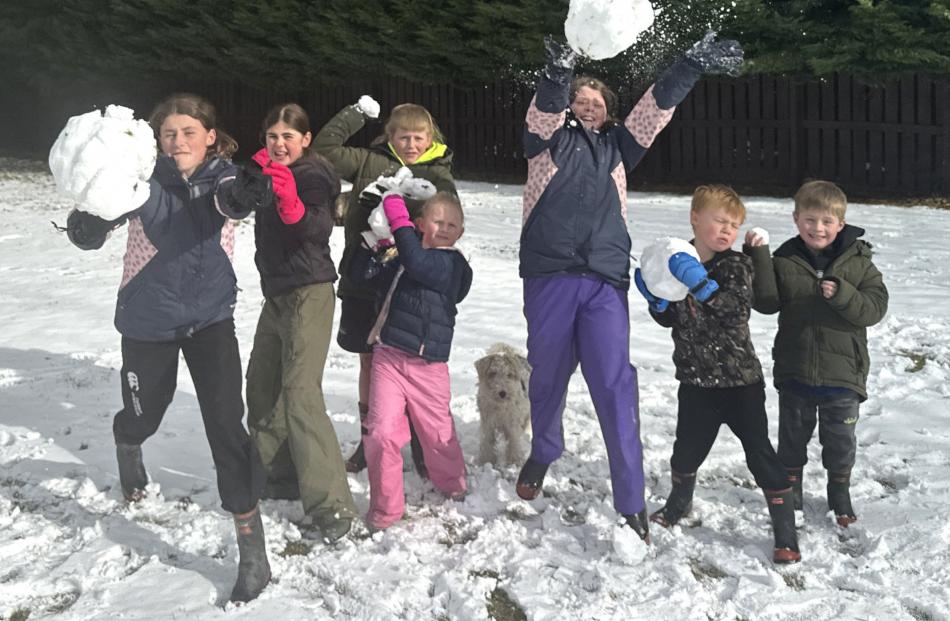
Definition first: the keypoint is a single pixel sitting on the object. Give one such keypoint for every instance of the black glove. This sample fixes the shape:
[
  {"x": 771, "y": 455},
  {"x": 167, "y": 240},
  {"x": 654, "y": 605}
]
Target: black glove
[
  {"x": 561, "y": 59},
  {"x": 89, "y": 232},
  {"x": 249, "y": 191},
  {"x": 371, "y": 196},
  {"x": 713, "y": 56}
]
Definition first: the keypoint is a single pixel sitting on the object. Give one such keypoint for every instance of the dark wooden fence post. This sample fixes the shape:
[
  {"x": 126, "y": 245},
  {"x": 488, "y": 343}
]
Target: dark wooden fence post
[{"x": 945, "y": 168}]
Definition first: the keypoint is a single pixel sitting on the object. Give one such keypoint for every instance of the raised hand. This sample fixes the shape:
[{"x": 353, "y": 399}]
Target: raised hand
[
  {"x": 368, "y": 106},
  {"x": 712, "y": 56},
  {"x": 688, "y": 270},
  {"x": 396, "y": 212},
  {"x": 561, "y": 59}
]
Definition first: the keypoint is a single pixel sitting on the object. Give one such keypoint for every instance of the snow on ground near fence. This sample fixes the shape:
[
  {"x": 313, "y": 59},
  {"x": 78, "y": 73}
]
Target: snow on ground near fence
[{"x": 71, "y": 549}]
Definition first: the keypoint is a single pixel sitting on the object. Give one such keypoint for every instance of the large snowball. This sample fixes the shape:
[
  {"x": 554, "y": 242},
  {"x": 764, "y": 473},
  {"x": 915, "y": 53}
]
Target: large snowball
[
  {"x": 104, "y": 161},
  {"x": 603, "y": 28},
  {"x": 655, "y": 267}
]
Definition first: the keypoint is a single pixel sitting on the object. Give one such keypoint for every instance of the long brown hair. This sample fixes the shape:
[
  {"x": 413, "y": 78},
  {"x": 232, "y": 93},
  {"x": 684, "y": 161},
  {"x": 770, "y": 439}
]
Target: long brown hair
[
  {"x": 199, "y": 108},
  {"x": 610, "y": 98},
  {"x": 296, "y": 117}
]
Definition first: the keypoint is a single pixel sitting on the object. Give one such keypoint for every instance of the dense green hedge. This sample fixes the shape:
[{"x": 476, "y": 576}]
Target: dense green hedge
[{"x": 463, "y": 41}]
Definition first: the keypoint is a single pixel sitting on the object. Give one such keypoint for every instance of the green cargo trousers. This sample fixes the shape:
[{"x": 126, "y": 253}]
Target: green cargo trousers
[{"x": 287, "y": 415}]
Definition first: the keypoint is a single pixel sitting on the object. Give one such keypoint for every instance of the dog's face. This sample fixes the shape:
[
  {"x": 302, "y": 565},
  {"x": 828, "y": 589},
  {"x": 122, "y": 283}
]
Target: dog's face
[{"x": 503, "y": 375}]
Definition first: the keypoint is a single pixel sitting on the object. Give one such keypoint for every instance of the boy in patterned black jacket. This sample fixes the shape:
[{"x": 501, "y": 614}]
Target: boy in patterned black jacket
[{"x": 719, "y": 373}]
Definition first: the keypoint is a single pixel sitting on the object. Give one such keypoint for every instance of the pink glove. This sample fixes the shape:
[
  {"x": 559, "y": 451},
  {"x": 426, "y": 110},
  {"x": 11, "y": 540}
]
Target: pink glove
[
  {"x": 396, "y": 212},
  {"x": 289, "y": 206}
]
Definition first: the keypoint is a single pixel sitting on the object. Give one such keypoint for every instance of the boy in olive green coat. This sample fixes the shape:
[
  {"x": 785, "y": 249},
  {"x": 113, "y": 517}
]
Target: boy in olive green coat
[{"x": 827, "y": 292}]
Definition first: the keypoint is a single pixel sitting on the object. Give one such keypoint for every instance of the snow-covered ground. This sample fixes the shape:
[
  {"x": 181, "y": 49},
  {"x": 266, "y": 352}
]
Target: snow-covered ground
[{"x": 70, "y": 548}]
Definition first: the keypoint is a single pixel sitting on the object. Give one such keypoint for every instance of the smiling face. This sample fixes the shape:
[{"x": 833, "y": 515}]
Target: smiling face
[
  {"x": 285, "y": 145},
  {"x": 818, "y": 227},
  {"x": 715, "y": 230},
  {"x": 441, "y": 225},
  {"x": 409, "y": 145},
  {"x": 590, "y": 108},
  {"x": 185, "y": 139}
]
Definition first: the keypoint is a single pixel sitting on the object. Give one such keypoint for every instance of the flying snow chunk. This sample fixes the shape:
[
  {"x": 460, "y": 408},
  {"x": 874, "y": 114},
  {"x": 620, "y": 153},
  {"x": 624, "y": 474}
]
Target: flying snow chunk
[
  {"x": 603, "y": 28},
  {"x": 104, "y": 161},
  {"x": 655, "y": 267}
]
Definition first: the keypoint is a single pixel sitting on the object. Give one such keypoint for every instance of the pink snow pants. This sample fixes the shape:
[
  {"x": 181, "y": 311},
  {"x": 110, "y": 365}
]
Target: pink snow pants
[{"x": 402, "y": 383}]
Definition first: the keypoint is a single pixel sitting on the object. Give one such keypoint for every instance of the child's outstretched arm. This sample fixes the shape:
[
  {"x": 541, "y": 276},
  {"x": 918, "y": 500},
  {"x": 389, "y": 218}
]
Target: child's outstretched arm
[
  {"x": 548, "y": 109},
  {"x": 89, "y": 232},
  {"x": 864, "y": 304},
  {"x": 240, "y": 191},
  {"x": 330, "y": 141},
  {"x": 656, "y": 107},
  {"x": 765, "y": 298}
]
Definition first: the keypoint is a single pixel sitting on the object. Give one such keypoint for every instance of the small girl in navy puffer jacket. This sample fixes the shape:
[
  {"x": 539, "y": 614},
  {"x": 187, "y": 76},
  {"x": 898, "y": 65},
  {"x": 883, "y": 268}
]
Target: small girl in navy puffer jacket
[{"x": 412, "y": 339}]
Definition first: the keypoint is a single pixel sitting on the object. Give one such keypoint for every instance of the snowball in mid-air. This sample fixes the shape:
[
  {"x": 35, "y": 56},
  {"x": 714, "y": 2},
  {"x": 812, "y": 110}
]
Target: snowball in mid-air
[
  {"x": 602, "y": 29},
  {"x": 104, "y": 161},
  {"x": 655, "y": 267}
]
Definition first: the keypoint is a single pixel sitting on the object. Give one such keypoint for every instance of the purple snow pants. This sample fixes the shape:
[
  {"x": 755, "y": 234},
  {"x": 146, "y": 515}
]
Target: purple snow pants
[{"x": 581, "y": 318}]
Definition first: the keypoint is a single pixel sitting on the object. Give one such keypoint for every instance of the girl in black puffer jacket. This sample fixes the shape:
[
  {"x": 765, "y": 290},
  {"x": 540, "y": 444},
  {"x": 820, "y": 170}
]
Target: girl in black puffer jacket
[{"x": 286, "y": 411}]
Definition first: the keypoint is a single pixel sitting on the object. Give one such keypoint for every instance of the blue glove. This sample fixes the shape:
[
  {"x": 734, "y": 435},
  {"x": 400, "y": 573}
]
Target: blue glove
[
  {"x": 688, "y": 270},
  {"x": 657, "y": 305}
]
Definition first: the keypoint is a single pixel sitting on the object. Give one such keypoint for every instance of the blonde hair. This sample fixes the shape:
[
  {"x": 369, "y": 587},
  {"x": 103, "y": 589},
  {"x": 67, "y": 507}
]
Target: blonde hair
[
  {"x": 413, "y": 118},
  {"x": 822, "y": 196},
  {"x": 442, "y": 198},
  {"x": 718, "y": 195}
]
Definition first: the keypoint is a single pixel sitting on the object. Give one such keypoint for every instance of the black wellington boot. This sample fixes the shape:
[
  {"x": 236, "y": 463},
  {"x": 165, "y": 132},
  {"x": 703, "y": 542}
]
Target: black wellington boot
[
  {"x": 679, "y": 502},
  {"x": 839, "y": 498},
  {"x": 782, "y": 511},
  {"x": 530, "y": 479},
  {"x": 132, "y": 476},
  {"x": 357, "y": 461},
  {"x": 640, "y": 524},
  {"x": 253, "y": 568}
]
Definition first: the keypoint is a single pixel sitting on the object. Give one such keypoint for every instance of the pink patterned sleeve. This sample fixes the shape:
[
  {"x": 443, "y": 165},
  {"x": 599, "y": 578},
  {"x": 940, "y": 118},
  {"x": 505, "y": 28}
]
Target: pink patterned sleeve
[
  {"x": 647, "y": 119},
  {"x": 139, "y": 250},
  {"x": 543, "y": 124},
  {"x": 541, "y": 170}
]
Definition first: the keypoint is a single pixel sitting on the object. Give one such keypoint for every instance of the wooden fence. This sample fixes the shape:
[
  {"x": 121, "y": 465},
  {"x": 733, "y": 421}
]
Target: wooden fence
[
  {"x": 760, "y": 132},
  {"x": 757, "y": 133}
]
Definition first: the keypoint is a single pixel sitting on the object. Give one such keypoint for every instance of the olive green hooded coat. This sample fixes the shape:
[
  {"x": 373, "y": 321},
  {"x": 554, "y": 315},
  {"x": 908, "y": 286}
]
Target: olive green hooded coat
[
  {"x": 362, "y": 166},
  {"x": 820, "y": 342}
]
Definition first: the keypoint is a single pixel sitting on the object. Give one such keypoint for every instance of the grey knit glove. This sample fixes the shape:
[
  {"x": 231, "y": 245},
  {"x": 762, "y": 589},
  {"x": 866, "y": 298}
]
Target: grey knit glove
[{"x": 712, "y": 56}]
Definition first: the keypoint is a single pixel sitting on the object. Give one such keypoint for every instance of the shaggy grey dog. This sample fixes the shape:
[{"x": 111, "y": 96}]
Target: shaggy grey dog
[{"x": 503, "y": 404}]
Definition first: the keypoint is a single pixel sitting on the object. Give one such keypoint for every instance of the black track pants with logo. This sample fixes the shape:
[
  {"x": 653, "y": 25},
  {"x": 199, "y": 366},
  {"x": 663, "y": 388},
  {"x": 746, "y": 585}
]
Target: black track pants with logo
[{"x": 149, "y": 373}]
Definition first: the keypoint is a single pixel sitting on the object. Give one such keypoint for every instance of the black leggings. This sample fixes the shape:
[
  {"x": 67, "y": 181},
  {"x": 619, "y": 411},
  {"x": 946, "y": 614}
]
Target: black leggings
[
  {"x": 703, "y": 410},
  {"x": 149, "y": 376}
]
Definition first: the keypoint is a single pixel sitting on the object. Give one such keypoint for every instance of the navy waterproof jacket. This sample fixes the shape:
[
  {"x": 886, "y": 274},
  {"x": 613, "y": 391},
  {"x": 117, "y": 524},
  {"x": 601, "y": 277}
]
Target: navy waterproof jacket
[
  {"x": 574, "y": 210},
  {"x": 418, "y": 314},
  {"x": 178, "y": 276}
]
